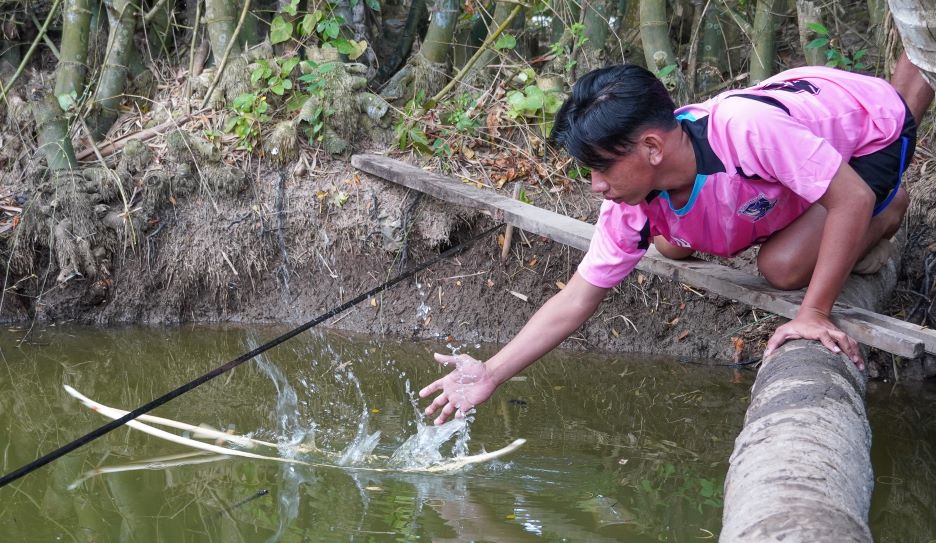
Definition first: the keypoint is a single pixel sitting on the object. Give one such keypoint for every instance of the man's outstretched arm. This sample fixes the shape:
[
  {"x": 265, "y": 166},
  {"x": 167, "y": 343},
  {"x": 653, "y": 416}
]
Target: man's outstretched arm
[{"x": 472, "y": 382}]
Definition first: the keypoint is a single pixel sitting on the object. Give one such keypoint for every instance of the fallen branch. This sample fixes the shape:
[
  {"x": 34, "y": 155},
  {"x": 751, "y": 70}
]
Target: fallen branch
[{"x": 112, "y": 147}]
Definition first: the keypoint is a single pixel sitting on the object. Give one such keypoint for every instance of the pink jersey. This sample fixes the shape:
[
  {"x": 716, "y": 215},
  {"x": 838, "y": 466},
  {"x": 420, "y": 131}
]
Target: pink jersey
[{"x": 763, "y": 156}]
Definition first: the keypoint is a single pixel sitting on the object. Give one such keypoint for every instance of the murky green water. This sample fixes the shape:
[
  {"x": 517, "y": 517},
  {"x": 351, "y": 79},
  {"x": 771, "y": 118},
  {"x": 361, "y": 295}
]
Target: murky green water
[{"x": 619, "y": 449}]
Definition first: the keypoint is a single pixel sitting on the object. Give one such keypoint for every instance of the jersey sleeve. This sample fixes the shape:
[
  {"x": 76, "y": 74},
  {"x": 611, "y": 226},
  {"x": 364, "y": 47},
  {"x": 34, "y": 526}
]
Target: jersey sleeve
[
  {"x": 769, "y": 143},
  {"x": 622, "y": 235}
]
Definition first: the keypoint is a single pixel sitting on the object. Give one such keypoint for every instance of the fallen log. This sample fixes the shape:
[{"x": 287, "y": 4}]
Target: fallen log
[{"x": 801, "y": 467}]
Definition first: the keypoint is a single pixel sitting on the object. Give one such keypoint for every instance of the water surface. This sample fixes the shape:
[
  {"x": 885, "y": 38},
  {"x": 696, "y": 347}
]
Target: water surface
[{"x": 619, "y": 448}]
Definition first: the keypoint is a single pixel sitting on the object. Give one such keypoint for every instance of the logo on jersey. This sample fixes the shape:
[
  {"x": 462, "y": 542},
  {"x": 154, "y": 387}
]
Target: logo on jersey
[
  {"x": 757, "y": 208},
  {"x": 680, "y": 242},
  {"x": 798, "y": 85}
]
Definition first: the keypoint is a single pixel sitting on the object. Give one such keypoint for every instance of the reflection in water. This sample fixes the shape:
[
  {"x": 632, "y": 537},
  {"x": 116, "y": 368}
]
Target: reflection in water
[{"x": 618, "y": 448}]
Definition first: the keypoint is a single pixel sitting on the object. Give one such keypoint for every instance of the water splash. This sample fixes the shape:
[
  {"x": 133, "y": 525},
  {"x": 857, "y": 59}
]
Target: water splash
[
  {"x": 424, "y": 448},
  {"x": 363, "y": 444}
]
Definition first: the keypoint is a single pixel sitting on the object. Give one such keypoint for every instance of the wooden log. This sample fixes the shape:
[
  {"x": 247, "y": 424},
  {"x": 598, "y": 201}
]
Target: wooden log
[
  {"x": 801, "y": 466},
  {"x": 879, "y": 331}
]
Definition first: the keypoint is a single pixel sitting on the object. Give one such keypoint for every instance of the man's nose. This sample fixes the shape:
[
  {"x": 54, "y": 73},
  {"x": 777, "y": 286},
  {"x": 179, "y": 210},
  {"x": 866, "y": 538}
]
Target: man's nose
[{"x": 598, "y": 182}]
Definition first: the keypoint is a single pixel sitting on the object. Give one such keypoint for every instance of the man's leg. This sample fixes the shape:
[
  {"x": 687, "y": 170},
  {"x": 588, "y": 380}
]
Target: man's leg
[
  {"x": 669, "y": 250},
  {"x": 788, "y": 258},
  {"x": 911, "y": 85}
]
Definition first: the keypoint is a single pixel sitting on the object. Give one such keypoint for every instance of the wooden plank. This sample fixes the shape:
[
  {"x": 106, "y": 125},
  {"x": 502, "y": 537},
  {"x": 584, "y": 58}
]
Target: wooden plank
[{"x": 879, "y": 331}]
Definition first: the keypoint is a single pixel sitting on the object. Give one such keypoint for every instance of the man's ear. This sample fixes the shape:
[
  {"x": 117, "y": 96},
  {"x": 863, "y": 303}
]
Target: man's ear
[{"x": 651, "y": 143}]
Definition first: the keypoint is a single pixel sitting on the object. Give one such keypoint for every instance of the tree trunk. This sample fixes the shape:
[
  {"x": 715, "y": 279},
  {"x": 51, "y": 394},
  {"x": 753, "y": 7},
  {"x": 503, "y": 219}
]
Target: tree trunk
[
  {"x": 658, "y": 49},
  {"x": 113, "y": 81},
  {"x": 597, "y": 31},
  {"x": 801, "y": 467},
  {"x": 916, "y": 22},
  {"x": 808, "y": 11},
  {"x": 764, "y": 40},
  {"x": 713, "y": 55}
]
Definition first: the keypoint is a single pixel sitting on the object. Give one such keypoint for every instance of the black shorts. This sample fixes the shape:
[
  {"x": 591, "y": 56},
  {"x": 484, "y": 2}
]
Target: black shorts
[{"x": 883, "y": 169}]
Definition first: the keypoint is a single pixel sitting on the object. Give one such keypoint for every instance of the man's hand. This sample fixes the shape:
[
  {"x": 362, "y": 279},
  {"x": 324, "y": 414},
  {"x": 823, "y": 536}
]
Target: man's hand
[
  {"x": 468, "y": 385},
  {"x": 817, "y": 326}
]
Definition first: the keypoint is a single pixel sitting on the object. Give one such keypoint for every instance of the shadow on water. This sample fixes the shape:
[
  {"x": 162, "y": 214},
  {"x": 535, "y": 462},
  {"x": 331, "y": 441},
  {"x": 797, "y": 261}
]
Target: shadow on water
[{"x": 618, "y": 448}]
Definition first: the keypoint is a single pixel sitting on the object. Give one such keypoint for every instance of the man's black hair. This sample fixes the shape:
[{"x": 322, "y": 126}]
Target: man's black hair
[{"x": 608, "y": 109}]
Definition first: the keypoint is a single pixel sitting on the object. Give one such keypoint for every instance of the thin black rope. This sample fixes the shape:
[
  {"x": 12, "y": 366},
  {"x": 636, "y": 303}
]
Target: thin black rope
[{"x": 117, "y": 423}]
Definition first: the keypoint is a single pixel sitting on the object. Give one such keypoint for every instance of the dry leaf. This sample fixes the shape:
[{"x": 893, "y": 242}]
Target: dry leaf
[
  {"x": 373, "y": 302},
  {"x": 532, "y": 262},
  {"x": 674, "y": 321},
  {"x": 501, "y": 240},
  {"x": 615, "y": 333},
  {"x": 682, "y": 335},
  {"x": 490, "y": 283},
  {"x": 641, "y": 278},
  {"x": 560, "y": 284},
  {"x": 518, "y": 295}
]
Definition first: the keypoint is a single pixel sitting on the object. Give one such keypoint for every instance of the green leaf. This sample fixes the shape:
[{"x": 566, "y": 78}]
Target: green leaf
[
  {"x": 296, "y": 101},
  {"x": 818, "y": 28},
  {"x": 288, "y": 65},
  {"x": 307, "y": 26},
  {"x": 332, "y": 28},
  {"x": 343, "y": 46},
  {"x": 291, "y": 8},
  {"x": 535, "y": 99},
  {"x": 244, "y": 102},
  {"x": 553, "y": 103},
  {"x": 666, "y": 70},
  {"x": 373, "y": 4},
  {"x": 817, "y": 43},
  {"x": 280, "y": 30},
  {"x": 256, "y": 74},
  {"x": 230, "y": 122},
  {"x": 279, "y": 88},
  {"x": 418, "y": 136},
  {"x": 505, "y": 41},
  {"x": 67, "y": 101}
]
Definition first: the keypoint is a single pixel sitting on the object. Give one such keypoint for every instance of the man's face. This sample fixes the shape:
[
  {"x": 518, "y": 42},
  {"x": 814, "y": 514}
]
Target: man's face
[{"x": 629, "y": 179}]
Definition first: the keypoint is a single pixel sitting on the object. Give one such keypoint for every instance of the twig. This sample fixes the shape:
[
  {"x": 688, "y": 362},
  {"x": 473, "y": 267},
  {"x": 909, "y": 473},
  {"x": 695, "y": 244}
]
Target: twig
[
  {"x": 187, "y": 94},
  {"x": 152, "y": 13},
  {"x": 29, "y": 53},
  {"x": 45, "y": 37},
  {"x": 508, "y": 231},
  {"x": 227, "y": 53},
  {"x": 117, "y": 144}
]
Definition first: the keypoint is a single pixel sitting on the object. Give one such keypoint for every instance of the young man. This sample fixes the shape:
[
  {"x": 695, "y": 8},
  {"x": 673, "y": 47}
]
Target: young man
[{"x": 806, "y": 164}]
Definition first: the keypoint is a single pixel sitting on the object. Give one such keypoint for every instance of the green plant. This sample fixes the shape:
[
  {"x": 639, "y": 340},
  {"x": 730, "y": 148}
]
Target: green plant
[
  {"x": 315, "y": 82},
  {"x": 250, "y": 111},
  {"x": 835, "y": 57}
]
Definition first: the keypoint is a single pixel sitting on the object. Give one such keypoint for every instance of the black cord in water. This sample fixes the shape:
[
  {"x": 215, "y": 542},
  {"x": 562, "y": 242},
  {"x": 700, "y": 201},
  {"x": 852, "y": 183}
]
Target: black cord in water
[{"x": 116, "y": 423}]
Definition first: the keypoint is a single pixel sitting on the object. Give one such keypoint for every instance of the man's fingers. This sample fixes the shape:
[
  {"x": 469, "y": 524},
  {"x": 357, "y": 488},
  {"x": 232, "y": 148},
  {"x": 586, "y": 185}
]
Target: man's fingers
[
  {"x": 431, "y": 388},
  {"x": 445, "y": 414},
  {"x": 780, "y": 337},
  {"x": 438, "y": 402},
  {"x": 445, "y": 359}
]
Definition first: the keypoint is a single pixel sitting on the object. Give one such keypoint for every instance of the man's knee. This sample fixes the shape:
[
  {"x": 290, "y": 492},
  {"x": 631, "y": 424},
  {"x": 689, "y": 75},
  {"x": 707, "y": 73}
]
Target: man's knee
[
  {"x": 669, "y": 250},
  {"x": 782, "y": 271},
  {"x": 893, "y": 214}
]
